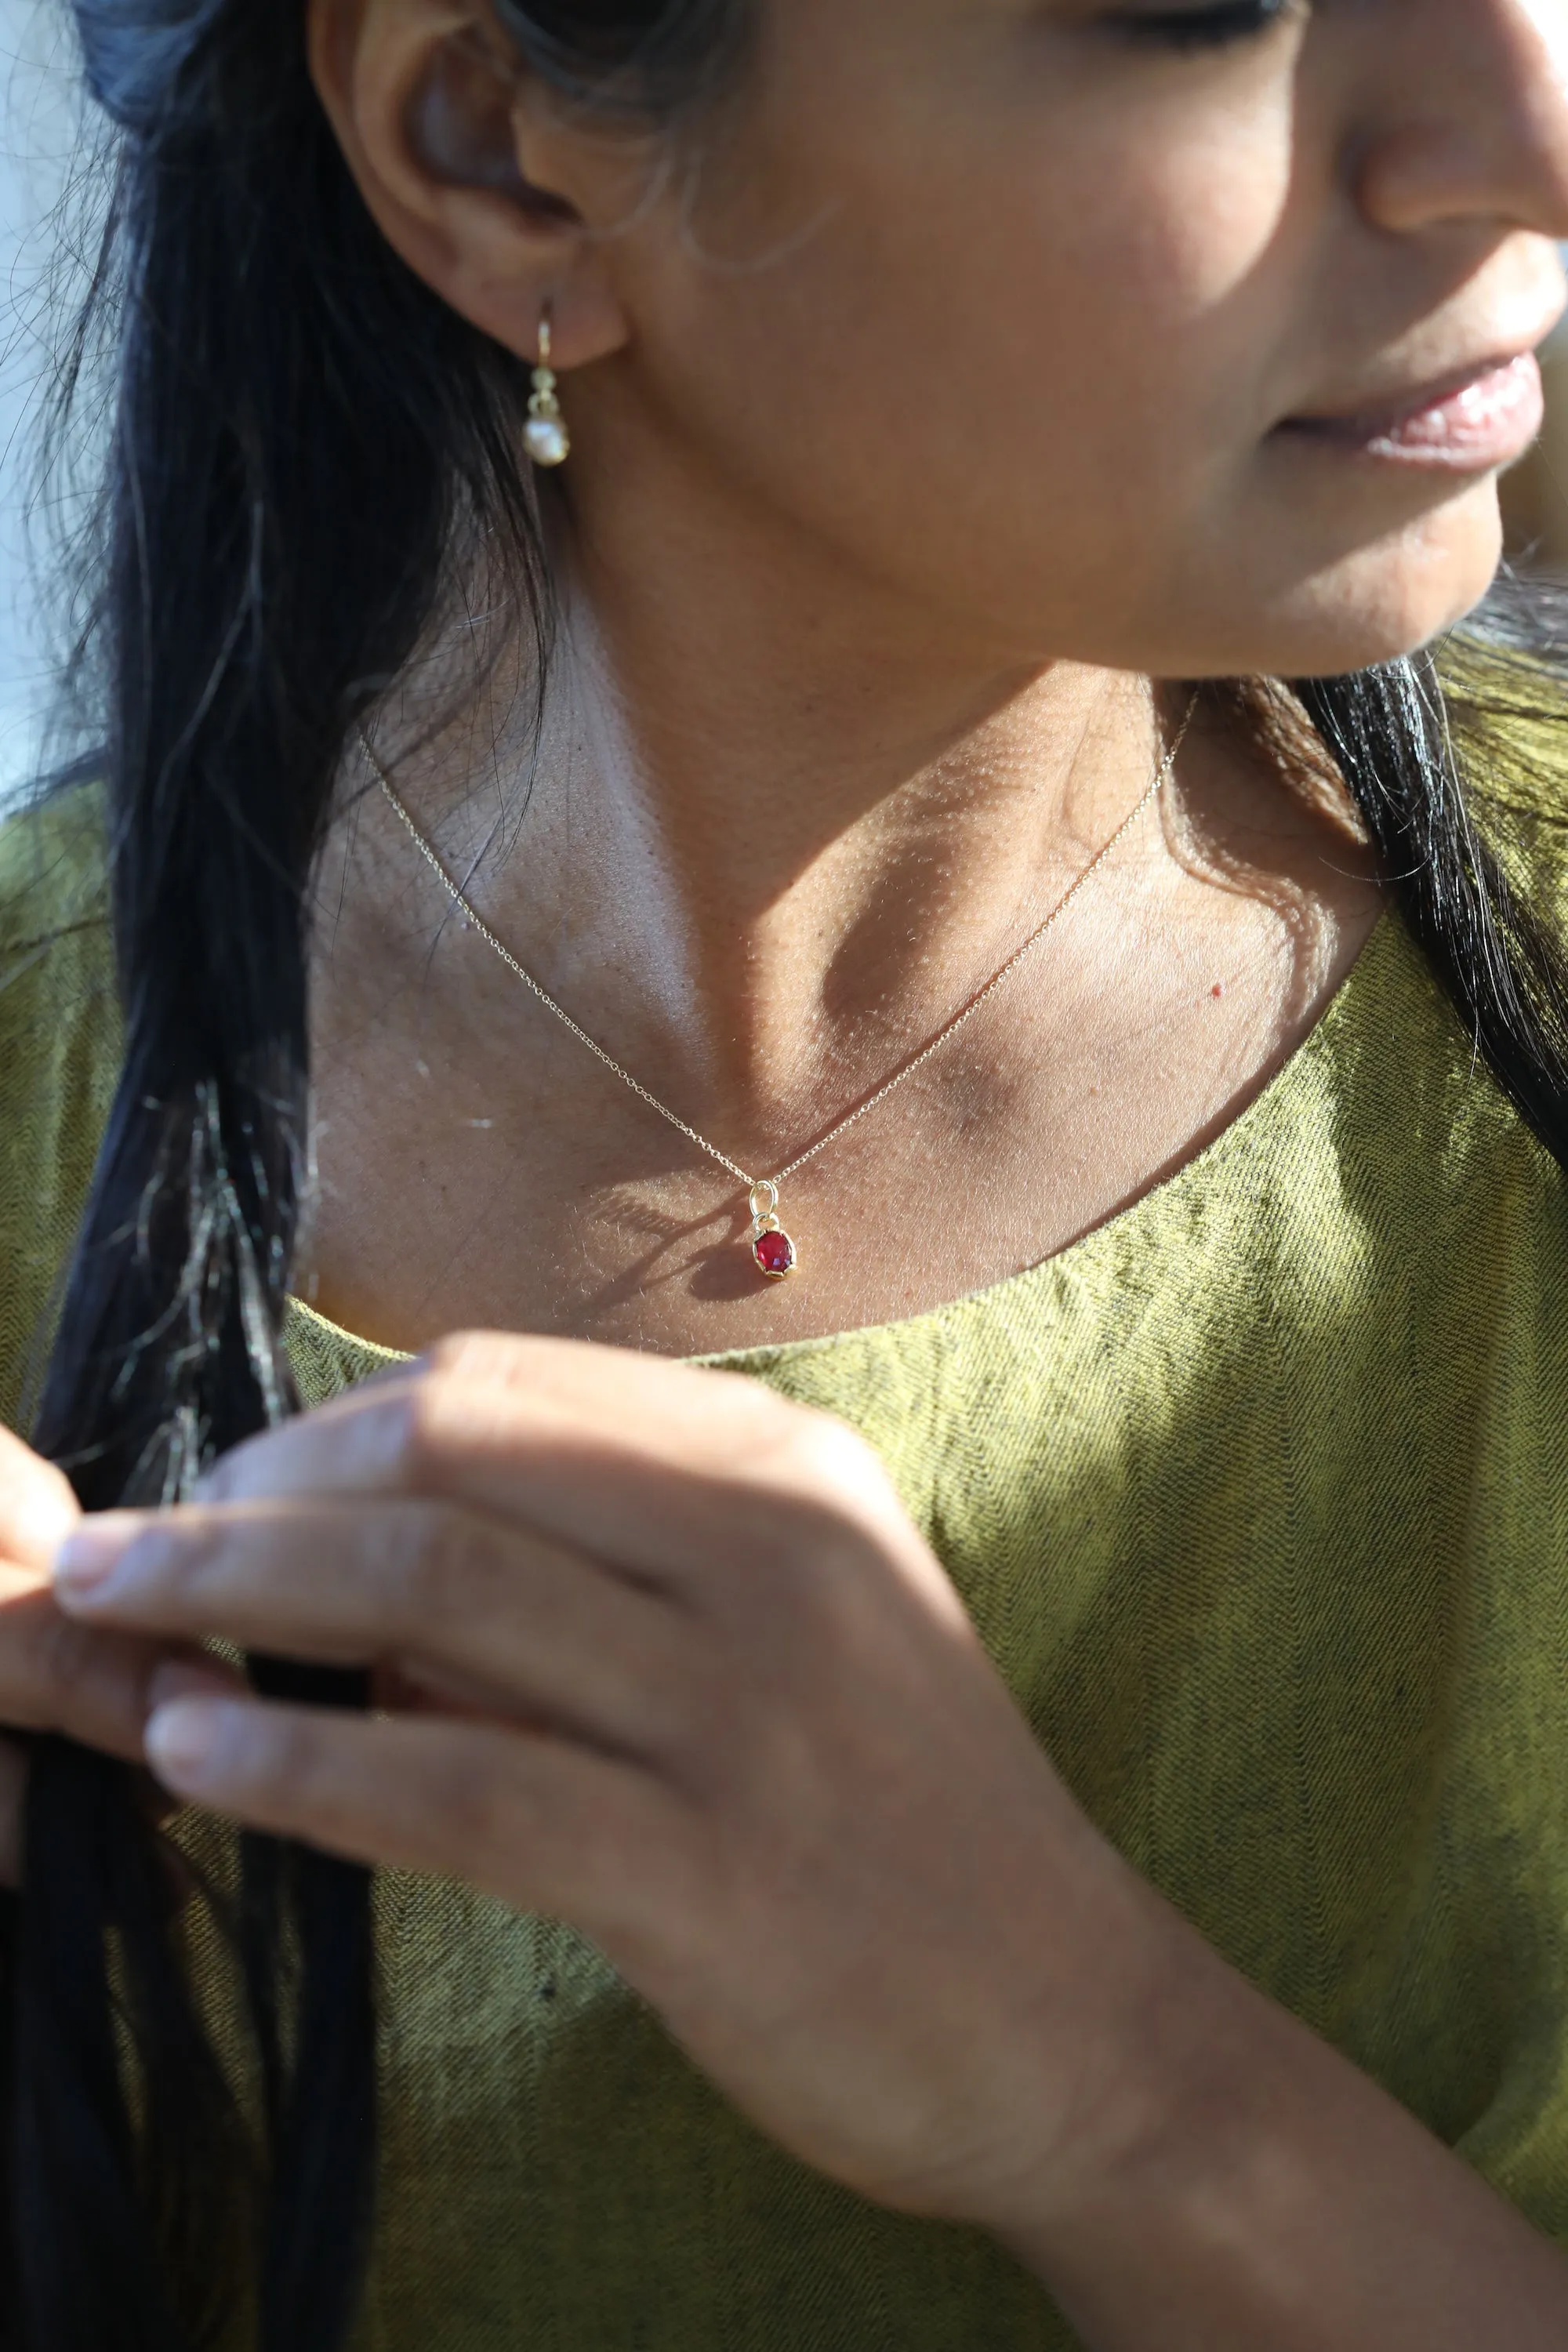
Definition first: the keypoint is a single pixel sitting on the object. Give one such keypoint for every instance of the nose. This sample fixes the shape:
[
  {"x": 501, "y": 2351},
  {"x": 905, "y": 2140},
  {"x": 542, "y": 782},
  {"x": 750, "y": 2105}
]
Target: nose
[{"x": 1475, "y": 125}]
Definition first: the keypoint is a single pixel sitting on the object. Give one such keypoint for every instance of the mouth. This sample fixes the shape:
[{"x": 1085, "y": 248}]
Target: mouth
[{"x": 1468, "y": 424}]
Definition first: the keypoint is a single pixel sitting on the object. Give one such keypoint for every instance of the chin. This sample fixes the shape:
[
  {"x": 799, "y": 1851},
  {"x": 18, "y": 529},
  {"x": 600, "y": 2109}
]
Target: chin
[{"x": 1390, "y": 599}]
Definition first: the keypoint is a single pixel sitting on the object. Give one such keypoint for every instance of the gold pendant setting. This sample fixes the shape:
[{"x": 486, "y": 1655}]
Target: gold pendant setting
[{"x": 773, "y": 1252}]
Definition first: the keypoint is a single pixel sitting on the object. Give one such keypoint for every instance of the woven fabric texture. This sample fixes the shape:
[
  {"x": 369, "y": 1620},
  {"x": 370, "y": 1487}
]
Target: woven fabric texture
[{"x": 1257, "y": 1497}]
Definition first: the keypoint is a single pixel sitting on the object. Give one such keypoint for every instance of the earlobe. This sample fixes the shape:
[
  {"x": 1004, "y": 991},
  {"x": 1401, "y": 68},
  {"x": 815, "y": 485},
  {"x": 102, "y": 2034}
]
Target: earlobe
[{"x": 425, "y": 102}]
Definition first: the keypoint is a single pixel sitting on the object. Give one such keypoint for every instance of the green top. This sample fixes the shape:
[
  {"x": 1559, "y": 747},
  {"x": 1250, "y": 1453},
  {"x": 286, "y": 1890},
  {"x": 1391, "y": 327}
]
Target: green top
[{"x": 1256, "y": 1495}]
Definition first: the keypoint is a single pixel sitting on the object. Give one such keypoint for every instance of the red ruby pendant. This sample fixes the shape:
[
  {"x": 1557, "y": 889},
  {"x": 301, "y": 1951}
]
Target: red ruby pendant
[
  {"x": 772, "y": 1248},
  {"x": 775, "y": 1254}
]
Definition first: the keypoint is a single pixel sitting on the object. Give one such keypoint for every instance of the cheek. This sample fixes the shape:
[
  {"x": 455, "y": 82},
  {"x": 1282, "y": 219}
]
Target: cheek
[
  {"x": 1020, "y": 362},
  {"x": 1144, "y": 361},
  {"x": 1024, "y": 361}
]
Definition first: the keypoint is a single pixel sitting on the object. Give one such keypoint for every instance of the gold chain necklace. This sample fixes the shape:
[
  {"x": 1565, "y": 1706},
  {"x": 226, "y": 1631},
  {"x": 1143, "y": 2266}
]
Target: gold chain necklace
[{"x": 772, "y": 1250}]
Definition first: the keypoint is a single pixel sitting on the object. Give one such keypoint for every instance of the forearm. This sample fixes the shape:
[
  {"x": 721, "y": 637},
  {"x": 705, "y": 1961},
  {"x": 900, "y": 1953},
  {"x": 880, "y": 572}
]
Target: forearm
[{"x": 1272, "y": 2198}]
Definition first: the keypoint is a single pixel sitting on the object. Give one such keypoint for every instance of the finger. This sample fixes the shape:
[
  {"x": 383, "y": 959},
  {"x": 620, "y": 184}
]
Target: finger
[
  {"x": 656, "y": 1467},
  {"x": 544, "y": 1825},
  {"x": 95, "y": 1686},
  {"x": 532, "y": 1625},
  {"x": 573, "y": 1384},
  {"x": 38, "y": 1506}
]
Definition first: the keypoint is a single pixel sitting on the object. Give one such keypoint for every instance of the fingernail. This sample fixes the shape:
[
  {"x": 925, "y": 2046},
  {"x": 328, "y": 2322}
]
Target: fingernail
[
  {"x": 93, "y": 1550},
  {"x": 188, "y": 1741}
]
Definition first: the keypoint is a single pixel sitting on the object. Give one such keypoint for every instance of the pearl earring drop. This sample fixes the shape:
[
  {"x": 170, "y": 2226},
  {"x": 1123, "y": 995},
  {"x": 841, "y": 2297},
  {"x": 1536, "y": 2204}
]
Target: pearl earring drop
[{"x": 545, "y": 436}]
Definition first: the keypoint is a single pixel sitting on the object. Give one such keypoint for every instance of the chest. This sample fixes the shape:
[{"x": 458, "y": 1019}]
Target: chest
[{"x": 478, "y": 1166}]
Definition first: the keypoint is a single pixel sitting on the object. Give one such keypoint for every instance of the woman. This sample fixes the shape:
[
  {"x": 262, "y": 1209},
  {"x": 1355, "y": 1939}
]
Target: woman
[{"x": 1056, "y": 1801}]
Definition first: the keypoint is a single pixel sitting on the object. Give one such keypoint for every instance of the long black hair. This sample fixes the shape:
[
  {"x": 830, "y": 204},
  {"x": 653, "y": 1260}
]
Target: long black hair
[{"x": 303, "y": 433}]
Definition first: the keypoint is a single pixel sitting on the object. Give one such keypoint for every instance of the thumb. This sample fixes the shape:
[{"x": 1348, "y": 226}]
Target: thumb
[{"x": 37, "y": 1506}]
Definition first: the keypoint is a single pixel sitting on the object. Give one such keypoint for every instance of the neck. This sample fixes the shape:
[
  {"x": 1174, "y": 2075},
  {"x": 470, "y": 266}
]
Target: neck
[
  {"x": 775, "y": 831},
  {"x": 780, "y": 826}
]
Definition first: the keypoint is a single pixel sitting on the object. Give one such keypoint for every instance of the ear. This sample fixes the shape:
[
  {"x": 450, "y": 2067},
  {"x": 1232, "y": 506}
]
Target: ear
[{"x": 469, "y": 171}]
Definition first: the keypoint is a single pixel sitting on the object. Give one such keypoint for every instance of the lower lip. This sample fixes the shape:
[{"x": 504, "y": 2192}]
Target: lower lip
[{"x": 1481, "y": 425}]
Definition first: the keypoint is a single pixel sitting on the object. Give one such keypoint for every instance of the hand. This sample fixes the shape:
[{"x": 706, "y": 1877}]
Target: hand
[
  {"x": 664, "y": 1656},
  {"x": 55, "y": 1674}
]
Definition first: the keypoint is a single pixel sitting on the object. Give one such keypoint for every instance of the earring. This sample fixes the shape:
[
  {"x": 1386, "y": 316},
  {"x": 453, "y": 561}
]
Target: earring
[{"x": 545, "y": 436}]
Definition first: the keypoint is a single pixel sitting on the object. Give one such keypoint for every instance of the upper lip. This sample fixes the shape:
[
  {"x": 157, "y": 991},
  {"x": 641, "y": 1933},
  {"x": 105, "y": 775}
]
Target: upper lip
[{"x": 1383, "y": 411}]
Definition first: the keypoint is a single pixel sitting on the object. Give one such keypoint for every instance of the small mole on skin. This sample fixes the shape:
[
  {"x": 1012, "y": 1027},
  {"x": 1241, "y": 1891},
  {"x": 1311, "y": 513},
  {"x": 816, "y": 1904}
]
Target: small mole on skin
[{"x": 1218, "y": 988}]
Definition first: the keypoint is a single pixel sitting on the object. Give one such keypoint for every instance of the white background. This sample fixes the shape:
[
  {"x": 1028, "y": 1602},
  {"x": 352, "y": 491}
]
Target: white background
[{"x": 37, "y": 144}]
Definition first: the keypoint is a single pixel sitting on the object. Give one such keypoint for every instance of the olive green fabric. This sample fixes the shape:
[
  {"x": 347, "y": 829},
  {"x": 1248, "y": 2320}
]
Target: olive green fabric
[{"x": 1258, "y": 1495}]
